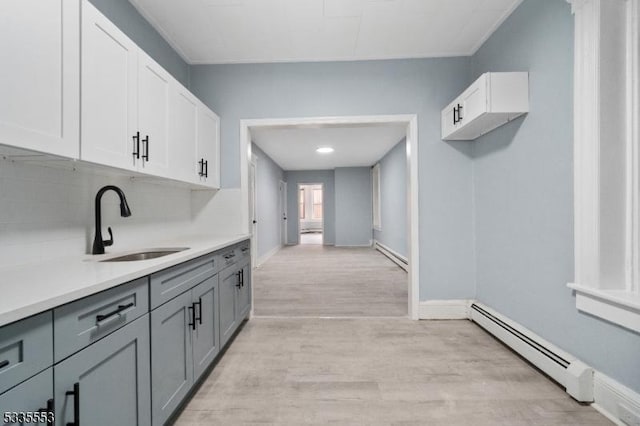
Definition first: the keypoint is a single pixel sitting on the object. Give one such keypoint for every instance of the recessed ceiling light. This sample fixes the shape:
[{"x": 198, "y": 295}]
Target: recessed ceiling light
[{"x": 325, "y": 150}]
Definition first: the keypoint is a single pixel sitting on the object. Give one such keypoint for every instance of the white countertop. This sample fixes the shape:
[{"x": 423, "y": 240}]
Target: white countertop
[{"x": 30, "y": 289}]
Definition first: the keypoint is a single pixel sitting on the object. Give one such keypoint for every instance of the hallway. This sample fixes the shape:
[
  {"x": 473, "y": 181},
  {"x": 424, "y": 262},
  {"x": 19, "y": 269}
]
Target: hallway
[
  {"x": 323, "y": 281},
  {"x": 377, "y": 372}
]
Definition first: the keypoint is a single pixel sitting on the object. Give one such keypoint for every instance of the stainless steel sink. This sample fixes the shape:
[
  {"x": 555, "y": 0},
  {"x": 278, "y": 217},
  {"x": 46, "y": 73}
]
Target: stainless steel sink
[{"x": 145, "y": 255}]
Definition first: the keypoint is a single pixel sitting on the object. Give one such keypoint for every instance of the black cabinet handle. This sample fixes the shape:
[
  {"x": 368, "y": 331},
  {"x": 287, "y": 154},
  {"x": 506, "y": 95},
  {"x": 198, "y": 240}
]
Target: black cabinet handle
[
  {"x": 201, "y": 167},
  {"x": 199, "y": 317},
  {"x": 455, "y": 111},
  {"x": 145, "y": 145},
  {"x": 239, "y": 284},
  {"x": 76, "y": 404},
  {"x": 192, "y": 314},
  {"x": 50, "y": 411},
  {"x": 206, "y": 168},
  {"x": 4, "y": 363},
  {"x": 460, "y": 117},
  {"x": 114, "y": 312},
  {"x": 229, "y": 255},
  {"x": 136, "y": 145}
]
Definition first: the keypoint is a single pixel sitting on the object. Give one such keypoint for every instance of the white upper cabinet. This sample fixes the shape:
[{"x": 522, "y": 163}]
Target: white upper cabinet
[
  {"x": 208, "y": 169},
  {"x": 154, "y": 88},
  {"x": 39, "y": 75},
  {"x": 109, "y": 93},
  {"x": 183, "y": 133},
  {"x": 491, "y": 101}
]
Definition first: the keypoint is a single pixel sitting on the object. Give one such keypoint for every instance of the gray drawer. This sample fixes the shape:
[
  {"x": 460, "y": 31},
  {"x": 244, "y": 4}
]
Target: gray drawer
[
  {"x": 32, "y": 395},
  {"x": 26, "y": 348},
  {"x": 242, "y": 250},
  {"x": 227, "y": 256},
  {"x": 80, "y": 323},
  {"x": 167, "y": 284}
]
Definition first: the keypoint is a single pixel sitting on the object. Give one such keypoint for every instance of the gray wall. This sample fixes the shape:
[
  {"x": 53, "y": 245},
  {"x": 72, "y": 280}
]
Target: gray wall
[
  {"x": 393, "y": 200},
  {"x": 420, "y": 86},
  {"x": 325, "y": 177},
  {"x": 354, "y": 215},
  {"x": 268, "y": 178},
  {"x": 524, "y": 199},
  {"x": 127, "y": 18}
]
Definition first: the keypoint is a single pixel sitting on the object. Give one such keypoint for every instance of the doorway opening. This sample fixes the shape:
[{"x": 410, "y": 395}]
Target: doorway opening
[{"x": 310, "y": 213}]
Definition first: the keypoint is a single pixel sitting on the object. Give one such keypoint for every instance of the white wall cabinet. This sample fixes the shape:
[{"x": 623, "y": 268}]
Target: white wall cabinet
[
  {"x": 492, "y": 100},
  {"x": 40, "y": 76},
  {"x": 136, "y": 116}
]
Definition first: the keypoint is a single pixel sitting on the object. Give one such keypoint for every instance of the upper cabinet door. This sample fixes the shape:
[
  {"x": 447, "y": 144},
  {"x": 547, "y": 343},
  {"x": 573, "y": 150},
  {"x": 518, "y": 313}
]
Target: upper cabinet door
[
  {"x": 208, "y": 164},
  {"x": 153, "y": 115},
  {"x": 109, "y": 91},
  {"x": 39, "y": 76},
  {"x": 183, "y": 127},
  {"x": 474, "y": 100}
]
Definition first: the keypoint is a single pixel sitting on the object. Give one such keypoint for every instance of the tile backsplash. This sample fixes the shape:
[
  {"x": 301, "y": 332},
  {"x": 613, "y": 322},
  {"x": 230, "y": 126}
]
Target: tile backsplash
[{"x": 48, "y": 212}]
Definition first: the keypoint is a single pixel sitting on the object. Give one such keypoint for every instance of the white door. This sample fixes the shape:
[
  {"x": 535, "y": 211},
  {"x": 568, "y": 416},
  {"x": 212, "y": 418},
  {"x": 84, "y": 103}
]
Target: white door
[
  {"x": 109, "y": 91},
  {"x": 283, "y": 212},
  {"x": 39, "y": 75},
  {"x": 183, "y": 127},
  {"x": 253, "y": 211},
  {"x": 153, "y": 116},
  {"x": 208, "y": 157}
]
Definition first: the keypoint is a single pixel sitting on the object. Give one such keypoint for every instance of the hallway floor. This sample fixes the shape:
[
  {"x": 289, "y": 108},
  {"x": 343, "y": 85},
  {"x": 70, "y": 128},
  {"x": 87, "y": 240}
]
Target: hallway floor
[
  {"x": 374, "y": 372},
  {"x": 326, "y": 281}
]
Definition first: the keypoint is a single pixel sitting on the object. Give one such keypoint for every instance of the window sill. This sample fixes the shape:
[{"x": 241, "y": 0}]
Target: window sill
[{"x": 616, "y": 306}]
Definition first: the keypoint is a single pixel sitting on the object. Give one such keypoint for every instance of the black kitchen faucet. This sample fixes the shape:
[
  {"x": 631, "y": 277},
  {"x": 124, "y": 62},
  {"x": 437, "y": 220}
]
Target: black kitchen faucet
[{"x": 98, "y": 243}]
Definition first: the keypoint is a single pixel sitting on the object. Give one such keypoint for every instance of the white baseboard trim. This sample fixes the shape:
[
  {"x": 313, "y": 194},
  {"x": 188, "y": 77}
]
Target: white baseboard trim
[
  {"x": 395, "y": 257},
  {"x": 444, "y": 309},
  {"x": 267, "y": 255},
  {"x": 353, "y": 245},
  {"x": 615, "y": 401}
]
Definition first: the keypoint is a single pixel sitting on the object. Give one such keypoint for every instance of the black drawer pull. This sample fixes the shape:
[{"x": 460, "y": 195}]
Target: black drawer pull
[
  {"x": 4, "y": 363},
  {"x": 206, "y": 168},
  {"x": 114, "y": 312},
  {"x": 239, "y": 274},
  {"x": 76, "y": 404},
  {"x": 229, "y": 256},
  {"x": 145, "y": 146},
  {"x": 50, "y": 411},
  {"x": 136, "y": 145}
]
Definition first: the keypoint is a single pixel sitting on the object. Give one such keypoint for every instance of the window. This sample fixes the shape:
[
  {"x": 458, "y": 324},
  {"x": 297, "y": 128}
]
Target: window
[
  {"x": 301, "y": 204},
  {"x": 606, "y": 161},
  {"x": 375, "y": 179},
  {"x": 317, "y": 204}
]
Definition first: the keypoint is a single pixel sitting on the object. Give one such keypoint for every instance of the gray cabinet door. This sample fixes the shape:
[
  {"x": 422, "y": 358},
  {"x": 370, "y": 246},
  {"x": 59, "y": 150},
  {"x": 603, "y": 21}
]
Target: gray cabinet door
[
  {"x": 171, "y": 356},
  {"x": 31, "y": 395},
  {"x": 108, "y": 382},
  {"x": 229, "y": 282},
  {"x": 244, "y": 292},
  {"x": 206, "y": 340}
]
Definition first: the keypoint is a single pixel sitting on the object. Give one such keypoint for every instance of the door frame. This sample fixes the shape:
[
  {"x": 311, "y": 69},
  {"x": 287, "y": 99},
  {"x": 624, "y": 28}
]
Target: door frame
[
  {"x": 253, "y": 208},
  {"x": 321, "y": 185},
  {"x": 413, "y": 229},
  {"x": 283, "y": 213}
]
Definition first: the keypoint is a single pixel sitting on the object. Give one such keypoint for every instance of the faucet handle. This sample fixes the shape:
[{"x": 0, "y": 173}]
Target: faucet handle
[{"x": 108, "y": 242}]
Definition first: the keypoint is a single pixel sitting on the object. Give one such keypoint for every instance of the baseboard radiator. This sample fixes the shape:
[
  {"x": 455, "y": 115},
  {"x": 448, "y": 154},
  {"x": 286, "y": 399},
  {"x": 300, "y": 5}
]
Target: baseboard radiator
[
  {"x": 401, "y": 261},
  {"x": 575, "y": 376}
]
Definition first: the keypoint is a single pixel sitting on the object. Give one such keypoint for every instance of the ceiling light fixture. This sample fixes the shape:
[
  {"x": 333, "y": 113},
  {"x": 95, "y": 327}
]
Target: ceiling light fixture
[{"x": 324, "y": 150}]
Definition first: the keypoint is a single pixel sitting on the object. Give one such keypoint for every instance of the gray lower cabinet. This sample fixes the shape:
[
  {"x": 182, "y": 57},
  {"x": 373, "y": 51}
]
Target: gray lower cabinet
[
  {"x": 107, "y": 383},
  {"x": 235, "y": 298},
  {"x": 184, "y": 342},
  {"x": 30, "y": 396}
]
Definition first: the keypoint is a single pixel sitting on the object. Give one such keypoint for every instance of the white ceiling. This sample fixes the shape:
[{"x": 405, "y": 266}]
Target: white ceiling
[
  {"x": 236, "y": 31},
  {"x": 294, "y": 148}
]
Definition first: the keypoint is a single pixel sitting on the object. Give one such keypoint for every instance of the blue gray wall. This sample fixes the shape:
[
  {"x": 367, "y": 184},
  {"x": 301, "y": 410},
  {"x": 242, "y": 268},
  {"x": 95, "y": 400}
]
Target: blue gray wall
[
  {"x": 524, "y": 196},
  {"x": 269, "y": 217},
  {"x": 393, "y": 200},
  {"x": 354, "y": 214},
  {"x": 420, "y": 86},
  {"x": 325, "y": 177},
  {"x": 127, "y": 18}
]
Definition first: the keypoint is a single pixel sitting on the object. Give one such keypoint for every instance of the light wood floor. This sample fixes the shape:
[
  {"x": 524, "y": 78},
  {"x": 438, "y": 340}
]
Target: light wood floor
[
  {"x": 303, "y": 371},
  {"x": 325, "y": 281}
]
